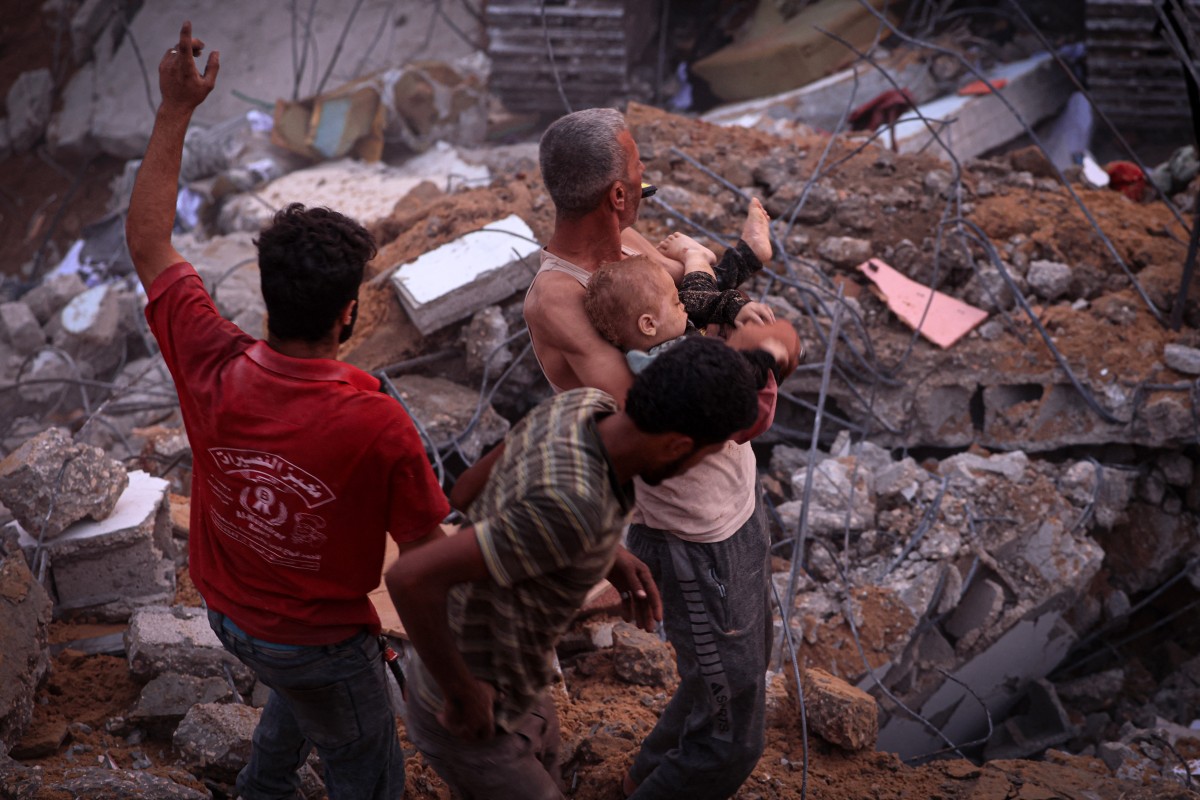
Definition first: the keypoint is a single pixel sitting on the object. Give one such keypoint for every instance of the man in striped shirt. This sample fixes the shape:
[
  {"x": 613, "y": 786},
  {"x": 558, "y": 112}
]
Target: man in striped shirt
[{"x": 484, "y": 608}]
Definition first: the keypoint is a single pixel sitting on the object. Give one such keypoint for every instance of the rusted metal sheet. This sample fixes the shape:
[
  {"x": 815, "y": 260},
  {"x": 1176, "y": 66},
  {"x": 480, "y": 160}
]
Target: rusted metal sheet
[
  {"x": 593, "y": 42},
  {"x": 1132, "y": 72}
]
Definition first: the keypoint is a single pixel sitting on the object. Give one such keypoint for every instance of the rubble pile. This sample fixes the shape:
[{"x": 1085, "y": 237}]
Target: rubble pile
[{"x": 971, "y": 556}]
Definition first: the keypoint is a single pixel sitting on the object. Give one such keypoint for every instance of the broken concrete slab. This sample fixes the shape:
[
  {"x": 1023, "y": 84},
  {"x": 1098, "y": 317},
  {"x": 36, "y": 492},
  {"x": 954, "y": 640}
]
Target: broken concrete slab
[
  {"x": 216, "y": 738},
  {"x": 1010, "y": 465},
  {"x": 70, "y": 129},
  {"x": 51, "y": 482},
  {"x": 29, "y": 101},
  {"x": 179, "y": 640},
  {"x": 20, "y": 327},
  {"x": 972, "y": 125},
  {"x": 87, "y": 24},
  {"x": 843, "y": 496},
  {"x": 166, "y": 699},
  {"x": 457, "y": 279},
  {"x": 448, "y": 411},
  {"x": 108, "y": 569},
  {"x": 839, "y": 713},
  {"x": 1044, "y": 724},
  {"x": 641, "y": 658},
  {"x": 25, "y": 611},
  {"x": 89, "y": 328},
  {"x": 48, "y": 297}
]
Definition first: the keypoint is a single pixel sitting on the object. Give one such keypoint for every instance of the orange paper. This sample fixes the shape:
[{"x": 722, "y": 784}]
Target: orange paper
[{"x": 979, "y": 87}]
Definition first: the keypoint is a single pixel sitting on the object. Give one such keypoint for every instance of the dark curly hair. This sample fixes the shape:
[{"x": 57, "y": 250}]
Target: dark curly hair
[
  {"x": 700, "y": 387},
  {"x": 311, "y": 261}
]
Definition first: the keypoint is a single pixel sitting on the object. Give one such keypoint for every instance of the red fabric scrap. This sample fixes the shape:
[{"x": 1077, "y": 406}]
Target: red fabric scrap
[
  {"x": 1126, "y": 178},
  {"x": 883, "y": 110}
]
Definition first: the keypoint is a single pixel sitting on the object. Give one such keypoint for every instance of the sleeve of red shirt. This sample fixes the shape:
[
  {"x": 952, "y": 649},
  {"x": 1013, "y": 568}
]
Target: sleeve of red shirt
[
  {"x": 767, "y": 396},
  {"x": 416, "y": 502},
  {"x": 193, "y": 336}
]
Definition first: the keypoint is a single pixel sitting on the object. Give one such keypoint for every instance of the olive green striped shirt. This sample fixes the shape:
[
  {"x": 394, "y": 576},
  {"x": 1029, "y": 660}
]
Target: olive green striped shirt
[{"x": 548, "y": 522}]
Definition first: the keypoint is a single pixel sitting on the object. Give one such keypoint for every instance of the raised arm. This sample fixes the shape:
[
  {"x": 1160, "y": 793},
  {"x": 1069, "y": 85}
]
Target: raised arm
[{"x": 152, "y": 206}]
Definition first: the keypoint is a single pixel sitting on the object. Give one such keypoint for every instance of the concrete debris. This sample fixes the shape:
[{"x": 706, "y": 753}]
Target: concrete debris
[
  {"x": 167, "y": 698},
  {"x": 228, "y": 266},
  {"x": 483, "y": 341},
  {"x": 20, "y": 328},
  {"x": 457, "y": 279},
  {"x": 450, "y": 411},
  {"x": 51, "y": 482},
  {"x": 90, "y": 328},
  {"x": 216, "y": 738},
  {"x": 1050, "y": 279},
  {"x": 178, "y": 640},
  {"x": 70, "y": 129},
  {"x": 48, "y": 297},
  {"x": 108, "y": 569},
  {"x": 29, "y": 101},
  {"x": 25, "y": 619},
  {"x": 101, "y": 782},
  {"x": 1182, "y": 358},
  {"x": 838, "y": 712},
  {"x": 1044, "y": 724},
  {"x": 845, "y": 251},
  {"x": 641, "y": 658}
]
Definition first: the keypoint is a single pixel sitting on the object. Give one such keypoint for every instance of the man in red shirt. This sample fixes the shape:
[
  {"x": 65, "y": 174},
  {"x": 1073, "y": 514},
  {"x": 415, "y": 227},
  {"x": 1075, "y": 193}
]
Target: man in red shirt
[{"x": 301, "y": 468}]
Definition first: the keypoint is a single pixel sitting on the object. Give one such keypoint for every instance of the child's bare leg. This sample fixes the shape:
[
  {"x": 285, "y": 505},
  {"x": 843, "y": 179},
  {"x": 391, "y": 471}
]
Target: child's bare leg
[
  {"x": 756, "y": 232},
  {"x": 678, "y": 245}
]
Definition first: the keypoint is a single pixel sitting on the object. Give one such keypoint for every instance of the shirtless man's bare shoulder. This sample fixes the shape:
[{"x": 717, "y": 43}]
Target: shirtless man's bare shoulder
[{"x": 571, "y": 352}]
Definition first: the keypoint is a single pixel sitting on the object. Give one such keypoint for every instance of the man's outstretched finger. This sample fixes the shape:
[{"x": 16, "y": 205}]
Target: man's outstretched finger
[{"x": 212, "y": 67}]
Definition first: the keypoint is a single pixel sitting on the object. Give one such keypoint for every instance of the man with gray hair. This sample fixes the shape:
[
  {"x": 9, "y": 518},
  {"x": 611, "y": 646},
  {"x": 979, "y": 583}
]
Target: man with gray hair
[{"x": 702, "y": 534}]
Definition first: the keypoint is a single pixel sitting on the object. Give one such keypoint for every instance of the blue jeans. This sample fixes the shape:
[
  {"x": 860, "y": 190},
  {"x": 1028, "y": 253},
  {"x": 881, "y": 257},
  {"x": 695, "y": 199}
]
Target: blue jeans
[{"x": 333, "y": 697}]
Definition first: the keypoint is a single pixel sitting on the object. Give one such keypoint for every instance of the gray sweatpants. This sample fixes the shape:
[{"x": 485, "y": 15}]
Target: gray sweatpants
[{"x": 716, "y": 613}]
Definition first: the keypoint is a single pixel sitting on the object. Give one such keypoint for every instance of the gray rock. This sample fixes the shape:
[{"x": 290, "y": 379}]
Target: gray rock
[
  {"x": 641, "y": 658},
  {"x": 93, "y": 783},
  {"x": 1177, "y": 469},
  {"x": 1182, "y": 359},
  {"x": 446, "y": 409},
  {"x": 215, "y": 738},
  {"x": 166, "y": 699},
  {"x": 484, "y": 337},
  {"x": 107, "y": 569},
  {"x": 24, "y": 618},
  {"x": 840, "y": 713},
  {"x": 90, "y": 328},
  {"x": 48, "y": 298},
  {"x": 29, "y": 102},
  {"x": 844, "y": 251},
  {"x": 51, "y": 380},
  {"x": 21, "y": 328},
  {"x": 70, "y": 129},
  {"x": 903, "y": 478},
  {"x": 1050, "y": 279},
  {"x": 1010, "y": 465},
  {"x": 178, "y": 639},
  {"x": 50, "y": 482},
  {"x": 987, "y": 288},
  {"x": 843, "y": 495},
  {"x": 938, "y": 182}
]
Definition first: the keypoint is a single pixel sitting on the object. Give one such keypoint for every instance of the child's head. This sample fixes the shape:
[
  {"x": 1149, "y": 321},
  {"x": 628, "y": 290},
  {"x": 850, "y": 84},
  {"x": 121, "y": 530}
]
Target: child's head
[{"x": 634, "y": 304}]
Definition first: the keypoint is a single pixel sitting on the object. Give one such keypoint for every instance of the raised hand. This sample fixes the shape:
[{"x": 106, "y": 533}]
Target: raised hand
[{"x": 182, "y": 86}]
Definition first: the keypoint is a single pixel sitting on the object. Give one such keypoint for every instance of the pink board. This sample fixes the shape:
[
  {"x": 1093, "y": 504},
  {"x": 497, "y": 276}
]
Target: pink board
[{"x": 947, "y": 320}]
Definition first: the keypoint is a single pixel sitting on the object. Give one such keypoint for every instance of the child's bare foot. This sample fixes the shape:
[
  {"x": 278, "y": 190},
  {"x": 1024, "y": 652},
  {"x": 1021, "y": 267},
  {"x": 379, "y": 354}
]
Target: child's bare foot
[
  {"x": 677, "y": 246},
  {"x": 756, "y": 232}
]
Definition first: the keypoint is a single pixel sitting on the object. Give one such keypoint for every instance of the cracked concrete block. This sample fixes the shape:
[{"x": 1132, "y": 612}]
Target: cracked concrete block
[
  {"x": 216, "y": 738},
  {"x": 978, "y": 609},
  {"x": 25, "y": 619},
  {"x": 842, "y": 494},
  {"x": 901, "y": 478},
  {"x": 474, "y": 271},
  {"x": 51, "y": 482},
  {"x": 21, "y": 328},
  {"x": 1044, "y": 724},
  {"x": 179, "y": 639},
  {"x": 1050, "y": 279},
  {"x": 70, "y": 129},
  {"x": 165, "y": 700},
  {"x": 838, "y": 712},
  {"x": 641, "y": 658},
  {"x": 108, "y": 569},
  {"x": 844, "y": 251},
  {"x": 446, "y": 408},
  {"x": 1010, "y": 465},
  {"x": 90, "y": 328},
  {"x": 48, "y": 297},
  {"x": 29, "y": 102},
  {"x": 87, "y": 24}
]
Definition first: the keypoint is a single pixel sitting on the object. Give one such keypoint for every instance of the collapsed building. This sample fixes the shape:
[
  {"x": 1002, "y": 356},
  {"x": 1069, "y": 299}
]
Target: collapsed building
[{"x": 991, "y": 538}]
